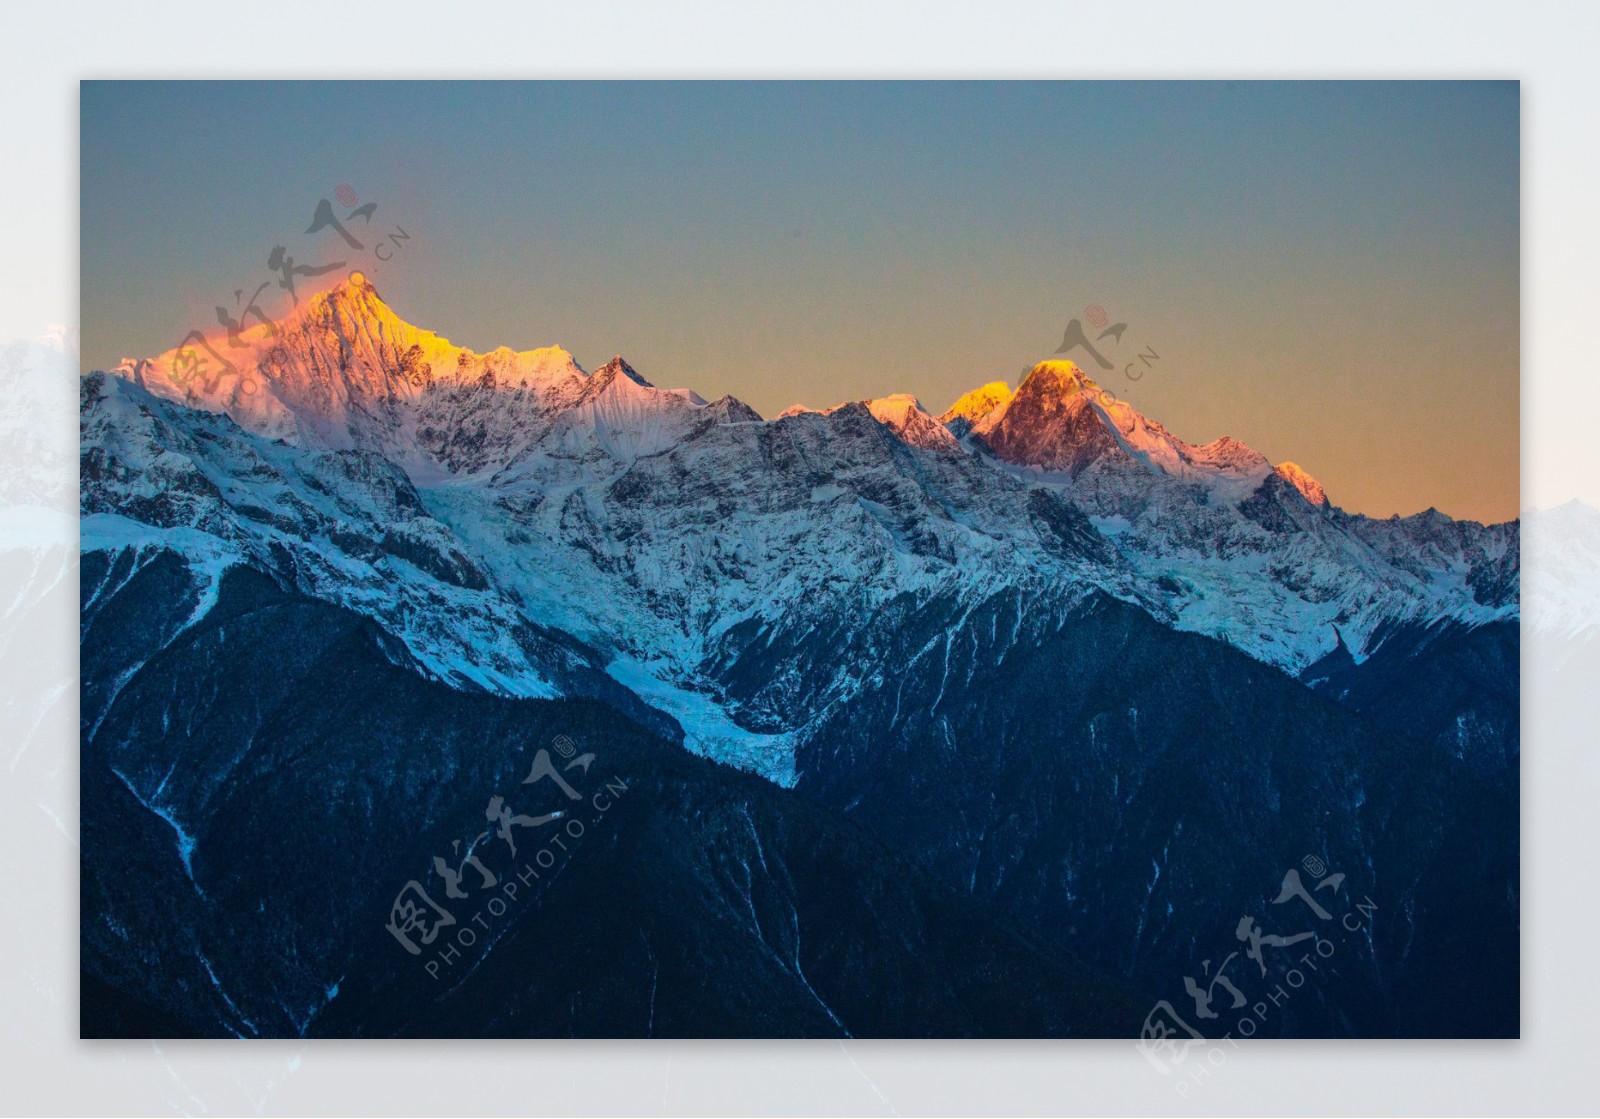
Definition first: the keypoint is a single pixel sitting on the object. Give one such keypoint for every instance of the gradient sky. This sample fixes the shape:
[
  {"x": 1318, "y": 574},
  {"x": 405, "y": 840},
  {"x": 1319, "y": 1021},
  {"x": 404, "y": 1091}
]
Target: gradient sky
[{"x": 1328, "y": 271}]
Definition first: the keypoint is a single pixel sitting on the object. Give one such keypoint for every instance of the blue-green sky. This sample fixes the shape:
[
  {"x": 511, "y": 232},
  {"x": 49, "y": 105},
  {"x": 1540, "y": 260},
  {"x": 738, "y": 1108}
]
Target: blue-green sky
[{"x": 1328, "y": 271}]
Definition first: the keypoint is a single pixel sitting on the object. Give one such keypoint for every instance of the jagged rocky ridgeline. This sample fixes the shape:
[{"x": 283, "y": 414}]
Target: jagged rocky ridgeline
[
  {"x": 1093, "y": 681},
  {"x": 690, "y": 525}
]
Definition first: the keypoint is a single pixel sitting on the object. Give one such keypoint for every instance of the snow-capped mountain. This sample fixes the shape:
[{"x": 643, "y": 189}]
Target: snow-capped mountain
[
  {"x": 1563, "y": 594},
  {"x": 1309, "y": 487},
  {"x": 1031, "y": 682},
  {"x": 472, "y": 501},
  {"x": 36, "y": 377},
  {"x": 1061, "y": 422},
  {"x": 974, "y": 404}
]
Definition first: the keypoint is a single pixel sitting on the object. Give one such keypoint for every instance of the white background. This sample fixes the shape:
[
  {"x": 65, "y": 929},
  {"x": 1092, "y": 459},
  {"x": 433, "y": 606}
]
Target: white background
[{"x": 46, "y": 1070}]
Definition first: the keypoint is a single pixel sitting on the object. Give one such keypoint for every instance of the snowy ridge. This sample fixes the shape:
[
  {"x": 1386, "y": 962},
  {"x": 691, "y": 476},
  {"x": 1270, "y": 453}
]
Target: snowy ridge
[
  {"x": 1308, "y": 487},
  {"x": 1060, "y": 419},
  {"x": 901, "y": 413},
  {"x": 346, "y": 525},
  {"x": 526, "y": 527},
  {"x": 1563, "y": 592},
  {"x": 972, "y": 406}
]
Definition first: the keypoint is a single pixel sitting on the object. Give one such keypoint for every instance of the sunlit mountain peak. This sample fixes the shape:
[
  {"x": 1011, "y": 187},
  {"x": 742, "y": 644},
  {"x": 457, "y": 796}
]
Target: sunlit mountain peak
[
  {"x": 1296, "y": 476},
  {"x": 977, "y": 403},
  {"x": 1059, "y": 373}
]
